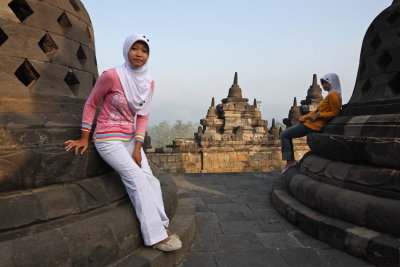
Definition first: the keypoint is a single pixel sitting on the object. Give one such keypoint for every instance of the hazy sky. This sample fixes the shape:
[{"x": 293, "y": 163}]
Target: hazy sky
[{"x": 196, "y": 47}]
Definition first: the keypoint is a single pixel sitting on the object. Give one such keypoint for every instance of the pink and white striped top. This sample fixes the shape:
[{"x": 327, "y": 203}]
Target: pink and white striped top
[{"x": 115, "y": 121}]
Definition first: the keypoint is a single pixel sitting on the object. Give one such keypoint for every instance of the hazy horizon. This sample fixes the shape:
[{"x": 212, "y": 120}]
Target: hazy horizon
[{"x": 196, "y": 47}]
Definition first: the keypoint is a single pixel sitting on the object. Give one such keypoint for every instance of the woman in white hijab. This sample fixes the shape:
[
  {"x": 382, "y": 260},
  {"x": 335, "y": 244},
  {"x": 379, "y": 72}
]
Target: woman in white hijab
[
  {"x": 315, "y": 120},
  {"x": 126, "y": 93}
]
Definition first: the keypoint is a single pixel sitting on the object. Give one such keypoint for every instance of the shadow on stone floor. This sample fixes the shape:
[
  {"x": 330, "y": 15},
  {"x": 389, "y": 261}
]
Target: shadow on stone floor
[{"x": 238, "y": 226}]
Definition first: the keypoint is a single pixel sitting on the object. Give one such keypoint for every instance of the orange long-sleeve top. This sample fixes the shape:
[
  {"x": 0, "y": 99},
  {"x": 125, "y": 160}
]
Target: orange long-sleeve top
[{"x": 328, "y": 109}]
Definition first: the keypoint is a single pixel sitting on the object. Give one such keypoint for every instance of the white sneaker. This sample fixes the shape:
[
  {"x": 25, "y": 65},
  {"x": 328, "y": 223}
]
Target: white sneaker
[
  {"x": 172, "y": 244},
  {"x": 172, "y": 234}
]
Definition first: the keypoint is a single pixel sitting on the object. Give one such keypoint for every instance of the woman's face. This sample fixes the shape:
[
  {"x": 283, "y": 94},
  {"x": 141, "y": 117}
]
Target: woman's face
[
  {"x": 138, "y": 54},
  {"x": 325, "y": 85}
]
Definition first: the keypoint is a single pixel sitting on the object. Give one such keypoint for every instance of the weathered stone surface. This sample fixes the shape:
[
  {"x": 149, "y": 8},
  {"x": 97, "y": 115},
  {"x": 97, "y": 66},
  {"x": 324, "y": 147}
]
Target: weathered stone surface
[
  {"x": 362, "y": 209},
  {"x": 57, "y": 202},
  {"x": 44, "y": 249},
  {"x": 383, "y": 215},
  {"x": 39, "y": 107},
  {"x": 134, "y": 261},
  {"x": 62, "y": 209},
  {"x": 24, "y": 210},
  {"x": 384, "y": 251},
  {"x": 113, "y": 186},
  {"x": 253, "y": 258},
  {"x": 102, "y": 236},
  {"x": 89, "y": 195},
  {"x": 351, "y": 206},
  {"x": 96, "y": 246},
  {"x": 333, "y": 232},
  {"x": 126, "y": 230},
  {"x": 10, "y": 175},
  {"x": 340, "y": 234},
  {"x": 357, "y": 240},
  {"x": 6, "y": 254},
  {"x": 363, "y": 178},
  {"x": 226, "y": 156}
]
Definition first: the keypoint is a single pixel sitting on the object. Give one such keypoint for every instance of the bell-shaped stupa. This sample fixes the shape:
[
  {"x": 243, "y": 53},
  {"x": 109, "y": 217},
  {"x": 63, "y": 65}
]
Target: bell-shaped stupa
[{"x": 348, "y": 185}]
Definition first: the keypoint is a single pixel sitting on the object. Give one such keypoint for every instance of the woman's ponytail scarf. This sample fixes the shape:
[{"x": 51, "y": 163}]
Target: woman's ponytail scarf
[
  {"x": 333, "y": 80},
  {"x": 135, "y": 82}
]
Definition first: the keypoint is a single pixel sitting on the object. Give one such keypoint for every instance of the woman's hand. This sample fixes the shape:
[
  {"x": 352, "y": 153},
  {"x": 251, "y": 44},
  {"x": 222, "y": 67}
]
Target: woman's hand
[
  {"x": 77, "y": 144},
  {"x": 82, "y": 143},
  {"x": 313, "y": 117},
  {"x": 137, "y": 154}
]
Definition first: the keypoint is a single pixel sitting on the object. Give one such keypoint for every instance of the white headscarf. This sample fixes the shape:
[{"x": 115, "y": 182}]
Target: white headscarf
[
  {"x": 333, "y": 80},
  {"x": 135, "y": 81}
]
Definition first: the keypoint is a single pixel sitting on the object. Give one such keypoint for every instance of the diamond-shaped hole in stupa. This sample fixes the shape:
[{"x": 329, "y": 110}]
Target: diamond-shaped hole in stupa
[
  {"x": 27, "y": 74},
  {"x": 72, "y": 81},
  {"x": 3, "y": 36},
  {"x": 21, "y": 9},
  {"x": 47, "y": 44},
  {"x": 80, "y": 54}
]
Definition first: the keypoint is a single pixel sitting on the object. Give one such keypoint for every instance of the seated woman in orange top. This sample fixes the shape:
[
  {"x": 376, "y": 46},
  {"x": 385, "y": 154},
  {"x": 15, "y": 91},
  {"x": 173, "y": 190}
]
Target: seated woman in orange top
[{"x": 315, "y": 120}]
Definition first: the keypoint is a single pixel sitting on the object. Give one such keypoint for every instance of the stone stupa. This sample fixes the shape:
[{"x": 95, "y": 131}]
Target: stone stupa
[
  {"x": 57, "y": 209},
  {"x": 346, "y": 191}
]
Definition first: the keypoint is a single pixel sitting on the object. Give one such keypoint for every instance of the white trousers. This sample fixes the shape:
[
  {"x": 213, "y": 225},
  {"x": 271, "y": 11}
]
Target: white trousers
[{"x": 143, "y": 188}]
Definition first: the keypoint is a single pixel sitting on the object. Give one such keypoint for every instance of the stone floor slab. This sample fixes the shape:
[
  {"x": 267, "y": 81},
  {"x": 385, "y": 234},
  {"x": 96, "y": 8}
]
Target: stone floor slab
[
  {"x": 260, "y": 205},
  {"x": 227, "y": 207},
  {"x": 276, "y": 226},
  {"x": 227, "y": 216},
  {"x": 205, "y": 243},
  {"x": 209, "y": 227},
  {"x": 217, "y": 200},
  {"x": 277, "y": 240},
  {"x": 257, "y": 258},
  {"x": 342, "y": 259},
  {"x": 300, "y": 257},
  {"x": 240, "y": 227},
  {"x": 308, "y": 241},
  {"x": 194, "y": 259},
  {"x": 260, "y": 214},
  {"x": 239, "y": 242}
]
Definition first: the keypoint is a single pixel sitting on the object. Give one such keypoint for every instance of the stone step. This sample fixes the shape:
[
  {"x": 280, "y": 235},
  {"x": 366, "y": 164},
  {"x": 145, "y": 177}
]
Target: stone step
[
  {"x": 184, "y": 224},
  {"x": 376, "y": 247},
  {"x": 102, "y": 229}
]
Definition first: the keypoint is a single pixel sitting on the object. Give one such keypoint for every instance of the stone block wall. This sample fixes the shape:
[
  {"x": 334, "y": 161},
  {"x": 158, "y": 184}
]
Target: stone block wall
[{"x": 225, "y": 159}]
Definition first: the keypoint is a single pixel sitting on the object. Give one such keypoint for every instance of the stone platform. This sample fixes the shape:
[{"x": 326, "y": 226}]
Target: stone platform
[
  {"x": 377, "y": 247},
  {"x": 238, "y": 225},
  {"x": 90, "y": 222},
  {"x": 183, "y": 223}
]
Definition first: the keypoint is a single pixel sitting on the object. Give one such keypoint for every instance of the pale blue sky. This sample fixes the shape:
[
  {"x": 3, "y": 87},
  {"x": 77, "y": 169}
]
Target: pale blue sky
[{"x": 196, "y": 46}]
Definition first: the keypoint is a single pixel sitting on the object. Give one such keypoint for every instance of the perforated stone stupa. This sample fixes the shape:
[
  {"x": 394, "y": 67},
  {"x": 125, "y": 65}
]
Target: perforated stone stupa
[
  {"x": 56, "y": 208},
  {"x": 349, "y": 182}
]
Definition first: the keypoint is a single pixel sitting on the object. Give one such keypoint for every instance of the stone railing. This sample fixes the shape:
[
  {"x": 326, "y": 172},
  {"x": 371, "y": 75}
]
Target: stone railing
[{"x": 234, "y": 158}]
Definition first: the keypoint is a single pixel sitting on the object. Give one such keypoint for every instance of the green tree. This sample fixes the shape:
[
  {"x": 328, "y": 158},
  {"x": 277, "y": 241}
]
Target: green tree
[
  {"x": 163, "y": 134},
  {"x": 183, "y": 130}
]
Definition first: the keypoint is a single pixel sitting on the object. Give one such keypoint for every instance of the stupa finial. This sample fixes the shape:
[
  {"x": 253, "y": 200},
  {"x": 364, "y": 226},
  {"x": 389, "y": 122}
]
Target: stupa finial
[
  {"x": 212, "y": 102},
  {"x": 255, "y": 102},
  {"x": 295, "y": 102},
  {"x": 314, "y": 82},
  {"x": 235, "y": 90}
]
